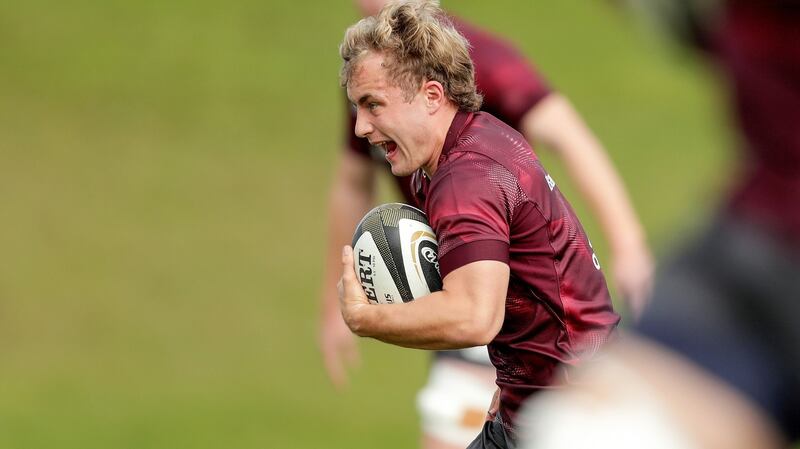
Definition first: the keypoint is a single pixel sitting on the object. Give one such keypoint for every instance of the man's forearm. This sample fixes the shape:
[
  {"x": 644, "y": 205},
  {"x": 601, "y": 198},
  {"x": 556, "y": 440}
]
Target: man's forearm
[
  {"x": 430, "y": 322},
  {"x": 468, "y": 312}
]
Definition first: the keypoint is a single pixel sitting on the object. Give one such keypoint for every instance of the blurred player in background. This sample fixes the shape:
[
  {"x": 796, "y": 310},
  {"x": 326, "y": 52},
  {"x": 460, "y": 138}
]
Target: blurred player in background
[
  {"x": 461, "y": 383},
  {"x": 518, "y": 270},
  {"x": 729, "y": 302}
]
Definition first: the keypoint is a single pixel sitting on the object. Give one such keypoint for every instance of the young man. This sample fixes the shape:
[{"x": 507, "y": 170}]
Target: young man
[
  {"x": 462, "y": 382},
  {"x": 518, "y": 271}
]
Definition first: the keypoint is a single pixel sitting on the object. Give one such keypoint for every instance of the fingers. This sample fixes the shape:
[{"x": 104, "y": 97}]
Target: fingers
[
  {"x": 328, "y": 344},
  {"x": 633, "y": 277},
  {"x": 636, "y": 294},
  {"x": 636, "y": 303},
  {"x": 349, "y": 285},
  {"x": 348, "y": 267},
  {"x": 339, "y": 347},
  {"x": 352, "y": 298},
  {"x": 352, "y": 356},
  {"x": 334, "y": 368},
  {"x": 339, "y": 351}
]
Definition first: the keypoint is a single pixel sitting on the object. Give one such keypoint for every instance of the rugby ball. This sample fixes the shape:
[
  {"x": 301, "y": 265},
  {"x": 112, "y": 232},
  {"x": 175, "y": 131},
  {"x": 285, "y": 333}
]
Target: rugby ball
[{"x": 395, "y": 254}]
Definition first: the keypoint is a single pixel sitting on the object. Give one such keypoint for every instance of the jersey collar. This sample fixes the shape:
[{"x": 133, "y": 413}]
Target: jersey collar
[
  {"x": 419, "y": 180},
  {"x": 458, "y": 124}
]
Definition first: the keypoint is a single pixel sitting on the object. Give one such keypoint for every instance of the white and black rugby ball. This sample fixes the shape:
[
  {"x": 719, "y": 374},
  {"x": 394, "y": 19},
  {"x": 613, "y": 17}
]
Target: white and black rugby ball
[{"x": 396, "y": 254}]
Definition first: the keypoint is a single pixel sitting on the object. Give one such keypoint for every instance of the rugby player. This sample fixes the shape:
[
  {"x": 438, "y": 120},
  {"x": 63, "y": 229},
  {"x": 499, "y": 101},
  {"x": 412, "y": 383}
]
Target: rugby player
[
  {"x": 519, "y": 272},
  {"x": 461, "y": 382}
]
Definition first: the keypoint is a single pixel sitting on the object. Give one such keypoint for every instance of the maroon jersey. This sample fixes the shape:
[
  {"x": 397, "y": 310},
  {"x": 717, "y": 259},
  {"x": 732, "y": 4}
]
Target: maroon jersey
[
  {"x": 510, "y": 88},
  {"x": 758, "y": 46},
  {"x": 490, "y": 199}
]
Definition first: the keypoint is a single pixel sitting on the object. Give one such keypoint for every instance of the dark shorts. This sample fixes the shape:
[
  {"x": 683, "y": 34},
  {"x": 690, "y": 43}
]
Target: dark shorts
[
  {"x": 493, "y": 436},
  {"x": 730, "y": 301}
]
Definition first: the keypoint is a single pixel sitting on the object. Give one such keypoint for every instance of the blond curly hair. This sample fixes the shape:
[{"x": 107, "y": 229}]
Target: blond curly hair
[{"x": 419, "y": 44}]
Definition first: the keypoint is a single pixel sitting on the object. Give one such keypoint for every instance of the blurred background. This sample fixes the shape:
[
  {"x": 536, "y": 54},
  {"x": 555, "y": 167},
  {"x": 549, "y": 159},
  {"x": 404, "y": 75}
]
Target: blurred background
[{"x": 163, "y": 178}]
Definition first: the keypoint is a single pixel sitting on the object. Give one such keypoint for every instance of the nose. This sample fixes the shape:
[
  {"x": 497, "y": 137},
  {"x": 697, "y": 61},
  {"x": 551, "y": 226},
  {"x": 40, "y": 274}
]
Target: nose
[{"x": 363, "y": 126}]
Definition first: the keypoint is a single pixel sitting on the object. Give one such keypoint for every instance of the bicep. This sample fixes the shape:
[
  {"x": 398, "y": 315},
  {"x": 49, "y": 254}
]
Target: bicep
[{"x": 481, "y": 286}]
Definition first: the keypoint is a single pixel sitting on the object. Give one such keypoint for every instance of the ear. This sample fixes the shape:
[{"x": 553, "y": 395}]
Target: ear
[{"x": 434, "y": 95}]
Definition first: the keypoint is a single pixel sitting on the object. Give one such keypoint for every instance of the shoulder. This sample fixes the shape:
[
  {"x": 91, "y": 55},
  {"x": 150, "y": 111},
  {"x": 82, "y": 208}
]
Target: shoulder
[
  {"x": 473, "y": 174},
  {"x": 490, "y": 138},
  {"x": 491, "y": 159}
]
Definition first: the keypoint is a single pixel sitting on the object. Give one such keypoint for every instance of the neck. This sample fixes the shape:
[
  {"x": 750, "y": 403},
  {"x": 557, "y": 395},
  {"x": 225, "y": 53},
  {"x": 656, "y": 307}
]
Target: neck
[{"x": 443, "y": 120}]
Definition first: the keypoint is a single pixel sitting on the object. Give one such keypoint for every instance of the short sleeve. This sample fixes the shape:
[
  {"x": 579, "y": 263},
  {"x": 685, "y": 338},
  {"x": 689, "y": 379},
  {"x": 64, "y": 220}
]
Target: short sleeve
[{"x": 470, "y": 207}]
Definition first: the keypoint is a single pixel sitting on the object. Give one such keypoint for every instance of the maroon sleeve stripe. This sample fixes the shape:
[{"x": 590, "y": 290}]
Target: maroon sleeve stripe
[{"x": 473, "y": 252}]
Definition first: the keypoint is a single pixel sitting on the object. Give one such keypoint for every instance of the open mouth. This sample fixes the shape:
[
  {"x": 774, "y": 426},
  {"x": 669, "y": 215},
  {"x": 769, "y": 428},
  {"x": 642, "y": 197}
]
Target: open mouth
[{"x": 390, "y": 148}]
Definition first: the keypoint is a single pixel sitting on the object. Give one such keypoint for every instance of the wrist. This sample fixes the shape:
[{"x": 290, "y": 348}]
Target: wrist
[
  {"x": 632, "y": 242},
  {"x": 357, "y": 318}
]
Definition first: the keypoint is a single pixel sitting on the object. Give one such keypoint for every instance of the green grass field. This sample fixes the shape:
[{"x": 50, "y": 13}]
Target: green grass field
[{"x": 163, "y": 173}]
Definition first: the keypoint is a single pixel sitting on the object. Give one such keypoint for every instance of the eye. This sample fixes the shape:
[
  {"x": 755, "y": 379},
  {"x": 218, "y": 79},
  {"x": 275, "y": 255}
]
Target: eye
[{"x": 372, "y": 105}]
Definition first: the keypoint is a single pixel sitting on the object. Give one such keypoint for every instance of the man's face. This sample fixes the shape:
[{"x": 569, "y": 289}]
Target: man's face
[{"x": 386, "y": 117}]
